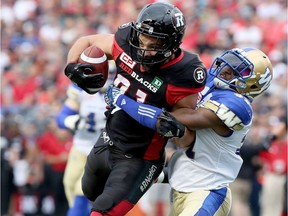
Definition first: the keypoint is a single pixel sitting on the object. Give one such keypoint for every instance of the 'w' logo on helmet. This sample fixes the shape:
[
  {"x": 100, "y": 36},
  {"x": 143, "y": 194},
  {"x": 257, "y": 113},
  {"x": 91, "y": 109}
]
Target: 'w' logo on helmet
[{"x": 265, "y": 79}]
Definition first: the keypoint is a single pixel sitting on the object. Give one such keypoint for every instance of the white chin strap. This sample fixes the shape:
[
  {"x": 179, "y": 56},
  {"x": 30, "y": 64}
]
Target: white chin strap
[{"x": 220, "y": 84}]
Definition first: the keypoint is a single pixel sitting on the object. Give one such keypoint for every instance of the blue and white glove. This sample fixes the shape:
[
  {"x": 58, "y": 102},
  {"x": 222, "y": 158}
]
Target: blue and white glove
[{"x": 111, "y": 96}]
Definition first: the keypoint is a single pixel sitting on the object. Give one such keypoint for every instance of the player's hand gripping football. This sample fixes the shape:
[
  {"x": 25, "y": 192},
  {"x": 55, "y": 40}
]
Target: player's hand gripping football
[
  {"x": 77, "y": 73},
  {"x": 169, "y": 127}
]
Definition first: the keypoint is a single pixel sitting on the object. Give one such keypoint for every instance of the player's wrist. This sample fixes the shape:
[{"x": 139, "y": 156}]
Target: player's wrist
[
  {"x": 168, "y": 126},
  {"x": 73, "y": 122},
  {"x": 118, "y": 99}
]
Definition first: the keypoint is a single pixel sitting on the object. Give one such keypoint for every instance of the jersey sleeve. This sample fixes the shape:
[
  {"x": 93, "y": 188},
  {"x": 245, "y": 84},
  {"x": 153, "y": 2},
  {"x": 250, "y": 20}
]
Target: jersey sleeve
[
  {"x": 74, "y": 92},
  {"x": 174, "y": 93},
  {"x": 187, "y": 70},
  {"x": 233, "y": 109},
  {"x": 121, "y": 39},
  {"x": 186, "y": 77}
]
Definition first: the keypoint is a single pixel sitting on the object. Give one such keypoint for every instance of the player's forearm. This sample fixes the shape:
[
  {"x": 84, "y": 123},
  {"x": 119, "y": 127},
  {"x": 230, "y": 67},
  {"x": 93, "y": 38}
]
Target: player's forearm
[
  {"x": 151, "y": 117},
  {"x": 143, "y": 113},
  {"x": 78, "y": 47},
  {"x": 67, "y": 118},
  {"x": 186, "y": 140},
  {"x": 103, "y": 41}
]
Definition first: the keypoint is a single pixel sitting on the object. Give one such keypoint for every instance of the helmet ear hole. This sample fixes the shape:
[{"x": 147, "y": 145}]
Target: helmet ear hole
[
  {"x": 254, "y": 87},
  {"x": 218, "y": 63}
]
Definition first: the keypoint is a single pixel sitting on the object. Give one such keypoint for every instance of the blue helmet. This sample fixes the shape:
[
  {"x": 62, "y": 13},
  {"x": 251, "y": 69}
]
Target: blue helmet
[{"x": 252, "y": 71}]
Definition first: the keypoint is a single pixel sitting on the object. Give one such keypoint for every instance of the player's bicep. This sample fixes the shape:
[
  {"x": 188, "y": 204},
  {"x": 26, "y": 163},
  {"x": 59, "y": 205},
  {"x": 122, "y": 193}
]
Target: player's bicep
[
  {"x": 193, "y": 120},
  {"x": 186, "y": 102},
  {"x": 225, "y": 114}
]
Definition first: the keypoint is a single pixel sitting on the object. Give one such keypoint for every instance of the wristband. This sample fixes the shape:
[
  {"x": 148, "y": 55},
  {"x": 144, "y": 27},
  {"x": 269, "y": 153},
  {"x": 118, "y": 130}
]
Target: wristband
[
  {"x": 64, "y": 113},
  {"x": 72, "y": 121}
]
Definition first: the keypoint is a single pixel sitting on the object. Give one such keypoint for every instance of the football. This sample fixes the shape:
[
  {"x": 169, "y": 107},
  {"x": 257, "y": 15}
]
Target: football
[{"x": 95, "y": 56}]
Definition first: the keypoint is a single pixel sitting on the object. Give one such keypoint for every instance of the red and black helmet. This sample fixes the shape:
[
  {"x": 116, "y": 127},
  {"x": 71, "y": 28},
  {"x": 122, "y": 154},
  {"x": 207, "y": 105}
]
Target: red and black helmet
[{"x": 162, "y": 21}]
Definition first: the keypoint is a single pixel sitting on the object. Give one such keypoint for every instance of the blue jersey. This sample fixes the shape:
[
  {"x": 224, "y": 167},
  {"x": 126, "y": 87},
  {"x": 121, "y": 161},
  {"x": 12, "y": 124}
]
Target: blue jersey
[
  {"x": 232, "y": 108},
  {"x": 213, "y": 161}
]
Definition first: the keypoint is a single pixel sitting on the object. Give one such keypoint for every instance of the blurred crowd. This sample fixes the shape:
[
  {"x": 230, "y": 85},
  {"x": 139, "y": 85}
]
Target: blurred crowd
[{"x": 35, "y": 38}]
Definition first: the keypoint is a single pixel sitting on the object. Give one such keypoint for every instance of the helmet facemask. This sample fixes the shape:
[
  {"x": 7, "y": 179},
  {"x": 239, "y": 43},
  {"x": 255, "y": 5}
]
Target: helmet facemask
[
  {"x": 161, "y": 48},
  {"x": 251, "y": 68}
]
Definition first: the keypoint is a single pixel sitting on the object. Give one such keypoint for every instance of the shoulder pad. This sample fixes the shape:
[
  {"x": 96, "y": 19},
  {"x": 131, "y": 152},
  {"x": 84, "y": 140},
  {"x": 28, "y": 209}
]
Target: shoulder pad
[
  {"x": 232, "y": 108},
  {"x": 125, "y": 25},
  {"x": 122, "y": 36},
  {"x": 74, "y": 92},
  {"x": 187, "y": 71},
  {"x": 123, "y": 32}
]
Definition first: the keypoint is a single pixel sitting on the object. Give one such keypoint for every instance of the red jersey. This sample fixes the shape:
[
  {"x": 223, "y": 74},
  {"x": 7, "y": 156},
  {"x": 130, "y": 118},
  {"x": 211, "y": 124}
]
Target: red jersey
[
  {"x": 276, "y": 158},
  {"x": 183, "y": 76},
  {"x": 49, "y": 145}
]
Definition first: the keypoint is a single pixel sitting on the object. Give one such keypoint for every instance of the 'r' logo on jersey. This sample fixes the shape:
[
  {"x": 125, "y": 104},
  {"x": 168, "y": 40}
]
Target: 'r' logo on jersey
[
  {"x": 199, "y": 75},
  {"x": 179, "y": 19}
]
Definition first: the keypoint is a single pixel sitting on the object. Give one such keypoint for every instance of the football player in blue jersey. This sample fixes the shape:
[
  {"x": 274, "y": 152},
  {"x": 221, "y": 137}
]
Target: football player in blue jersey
[
  {"x": 152, "y": 69},
  {"x": 208, "y": 158},
  {"x": 82, "y": 114}
]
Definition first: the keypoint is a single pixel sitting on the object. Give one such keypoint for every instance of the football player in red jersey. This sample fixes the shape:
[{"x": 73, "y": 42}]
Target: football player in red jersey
[{"x": 152, "y": 69}]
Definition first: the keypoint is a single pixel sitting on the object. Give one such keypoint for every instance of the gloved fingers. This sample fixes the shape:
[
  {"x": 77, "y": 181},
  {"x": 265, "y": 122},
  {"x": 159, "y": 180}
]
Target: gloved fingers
[
  {"x": 85, "y": 66},
  {"x": 164, "y": 115}
]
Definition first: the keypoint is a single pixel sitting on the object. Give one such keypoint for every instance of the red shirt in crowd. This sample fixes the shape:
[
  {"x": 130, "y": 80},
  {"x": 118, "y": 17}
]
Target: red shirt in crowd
[
  {"x": 54, "y": 150},
  {"x": 275, "y": 159}
]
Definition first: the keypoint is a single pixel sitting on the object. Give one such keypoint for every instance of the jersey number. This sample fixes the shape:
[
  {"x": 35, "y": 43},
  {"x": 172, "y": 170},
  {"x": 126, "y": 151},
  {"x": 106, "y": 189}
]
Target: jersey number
[
  {"x": 124, "y": 84},
  {"x": 91, "y": 123}
]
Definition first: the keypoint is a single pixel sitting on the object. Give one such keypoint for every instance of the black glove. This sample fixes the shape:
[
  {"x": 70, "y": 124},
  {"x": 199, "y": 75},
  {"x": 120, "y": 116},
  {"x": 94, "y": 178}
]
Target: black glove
[
  {"x": 169, "y": 126},
  {"x": 91, "y": 83}
]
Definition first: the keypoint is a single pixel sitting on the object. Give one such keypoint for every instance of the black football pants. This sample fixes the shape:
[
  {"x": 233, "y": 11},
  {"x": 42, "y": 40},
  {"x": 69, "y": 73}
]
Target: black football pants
[{"x": 111, "y": 179}]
